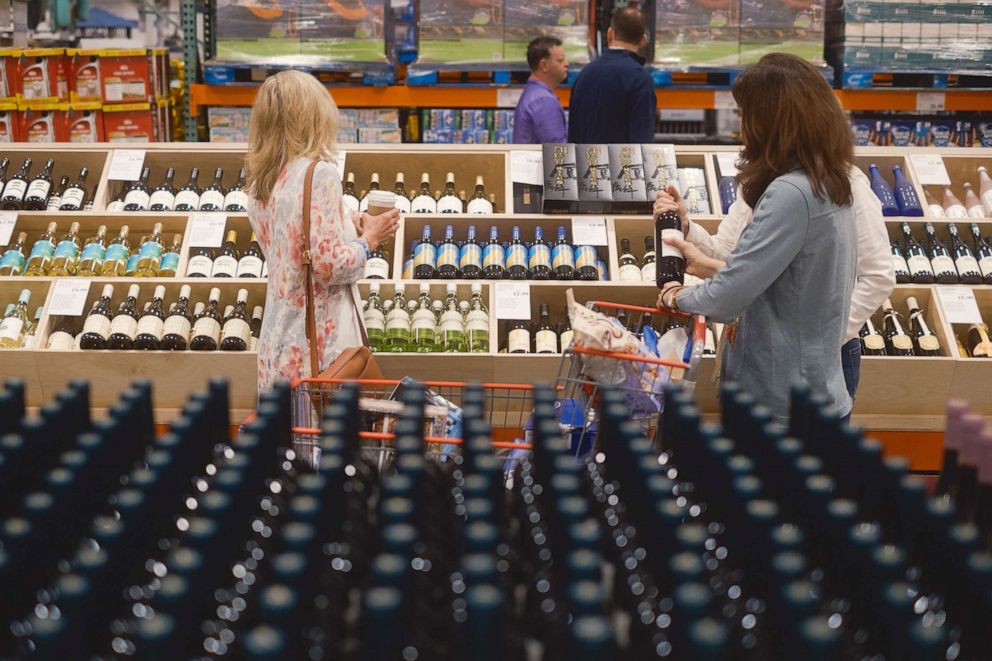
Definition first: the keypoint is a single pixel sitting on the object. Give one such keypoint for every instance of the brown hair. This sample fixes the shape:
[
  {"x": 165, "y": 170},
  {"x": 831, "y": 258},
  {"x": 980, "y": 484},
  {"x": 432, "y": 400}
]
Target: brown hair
[
  {"x": 628, "y": 25},
  {"x": 540, "y": 49},
  {"x": 791, "y": 118}
]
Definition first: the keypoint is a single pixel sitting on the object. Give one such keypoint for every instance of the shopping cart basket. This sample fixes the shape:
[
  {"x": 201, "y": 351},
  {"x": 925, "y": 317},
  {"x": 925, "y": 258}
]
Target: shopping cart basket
[{"x": 641, "y": 378}]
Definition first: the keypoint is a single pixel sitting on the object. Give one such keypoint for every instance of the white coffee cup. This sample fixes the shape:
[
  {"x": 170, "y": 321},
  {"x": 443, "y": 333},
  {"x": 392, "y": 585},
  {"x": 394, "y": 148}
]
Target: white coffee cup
[{"x": 381, "y": 201}]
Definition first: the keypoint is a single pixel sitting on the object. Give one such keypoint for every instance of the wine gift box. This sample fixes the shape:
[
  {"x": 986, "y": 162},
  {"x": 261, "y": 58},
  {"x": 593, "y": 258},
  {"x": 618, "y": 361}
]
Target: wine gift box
[
  {"x": 561, "y": 185},
  {"x": 660, "y": 168},
  {"x": 627, "y": 174},
  {"x": 595, "y": 187}
]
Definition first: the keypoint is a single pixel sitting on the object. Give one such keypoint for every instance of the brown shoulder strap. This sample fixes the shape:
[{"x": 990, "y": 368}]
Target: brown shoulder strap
[{"x": 311, "y": 323}]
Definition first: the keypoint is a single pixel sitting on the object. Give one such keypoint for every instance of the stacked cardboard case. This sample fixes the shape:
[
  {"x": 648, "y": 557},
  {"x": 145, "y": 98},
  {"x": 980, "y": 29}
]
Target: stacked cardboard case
[
  {"x": 75, "y": 95},
  {"x": 370, "y": 125}
]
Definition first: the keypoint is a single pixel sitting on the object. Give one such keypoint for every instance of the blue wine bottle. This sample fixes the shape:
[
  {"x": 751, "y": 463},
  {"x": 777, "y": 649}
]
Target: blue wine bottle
[
  {"x": 728, "y": 192},
  {"x": 906, "y": 197},
  {"x": 881, "y": 189}
]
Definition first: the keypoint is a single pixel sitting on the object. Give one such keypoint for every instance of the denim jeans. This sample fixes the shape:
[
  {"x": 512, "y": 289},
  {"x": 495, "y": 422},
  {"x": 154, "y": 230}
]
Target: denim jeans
[{"x": 850, "y": 358}]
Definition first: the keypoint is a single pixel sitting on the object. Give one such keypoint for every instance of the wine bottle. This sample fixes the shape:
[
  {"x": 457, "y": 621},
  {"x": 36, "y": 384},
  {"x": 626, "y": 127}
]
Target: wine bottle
[
  {"x": 124, "y": 326},
  {"x": 4, "y": 164},
  {"x": 256, "y": 328},
  {"x": 117, "y": 254},
  {"x": 236, "y": 332},
  {"x": 449, "y": 202},
  {"x": 545, "y": 337},
  {"x": 15, "y": 322},
  {"x": 518, "y": 338},
  {"x": 163, "y": 198},
  {"x": 516, "y": 257},
  {"x": 470, "y": 257},
  {"x": 348, "y": 196},
  {"x": 934, "y": 207},
  {"x": 170, "y": 258},
  {"x": 630, "y": 270},
  {"x": 96, "y": 328},
  {"x": 983, "y": 253},
  {"x": 447, "y": 255},
  {"x": 150, "y": 254},
  {"x": 671, "y": 266},
  {"x": 899, "y": 265},
  {"x": 480, "y": 202},
  {"x": 425, "y": 256},
  {"x": 423, "y": 327},
  {"x": 539, "y": 257},
  {"x": 63, "y": 338},
  {"x": 978, "y": 342},
  {"x": 226, "y": 262},
  {"x": 920, "y": 268},
  {"x": 117, "y": 203},
  {"x": 586, "y": 259},
  {"x": 964, "y": 259},
  {"x": 882, "y": 191},
  {"x": 363, "y": 204},
  {"x": 66, "y": 256},
  {"x": 201, "y": 262},
  {"x": 36, "y": 196},
  {"x": 493, "y": 257},
  {"x": 452, "y": 327},
  {"x": 973, "y": 203},
  {"x": 206, "y": 329},
  {"x": 728, "y": 193},
  {"x": 375, "y": 319},
  {"x": 13, "y": 191},
  {"x": 565, "y": 338},
  {"x": 138, "y": 195},
  {"x": 177, "y": 326},
  {"x": 985, "y": 189},
  {"x": 952, "y": 205},
  {"x": 188, "y": 197},
  {"x": 55, "y": 199},
  {"x": 945, "y": 272},
  {"x": 897, "y": 342},
  {"x": 477, "y": 322},
  {"x": 74, "y": 196},
  {"x": 407, "y": 273},
  {"x": 925, "y": 343},
  {"x": 424, "y": 202},
  {"x": 906, "y": 197},
  {"x": 12, "y": 262},
  {"x": 402, "y": 198},
  {"x": 40, "y": 257},
  {"x": 236, "y": 200},
  {"x": 151, "y": 325},
  {"x": 563, "y": 257},
  {"x": 212, "y": 197},
  {"x": 398, "y": 322},
  {"x": 648, "y": 269},
  {"x": 252, "y": 260},
  {"x": 131, "y": 265}
]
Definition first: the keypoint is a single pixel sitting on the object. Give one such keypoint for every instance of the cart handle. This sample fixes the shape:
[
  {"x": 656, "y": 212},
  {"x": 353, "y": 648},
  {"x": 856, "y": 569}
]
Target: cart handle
[
  {"x": 638, "y": 308},
  {"x": 385, "y": 436},
  {"x": 429, "y": 384},
  {"x": 628, "y": 356}
]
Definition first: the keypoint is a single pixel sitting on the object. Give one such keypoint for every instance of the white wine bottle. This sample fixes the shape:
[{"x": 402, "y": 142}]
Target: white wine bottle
[
  {"x": 65, "y": 259},
  {"x": 480, "y": 201},
  {"x": 424, "y": 201},
  {"x": 124, "y": 326},
  {"x": 91, "y": 259},
  {"x": 206, "y": 330},
  {"x": 14, "y": 324},
  {"x": 96, "y": 328},
  {"x": 629, "y": 269},
  {"x": 150, "y": 254},
  {"x": 236, "y": 332},
  {"x": 449, "y": 202},
  {"x": 117, "y": 254},
  {"x": 177, "y": 326},
  {"x": 151, "y": 325}
]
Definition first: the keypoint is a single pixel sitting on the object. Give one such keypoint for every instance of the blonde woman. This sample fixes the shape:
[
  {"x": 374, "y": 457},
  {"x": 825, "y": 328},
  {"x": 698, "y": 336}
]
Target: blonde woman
[{"x": 294, "y": 121}]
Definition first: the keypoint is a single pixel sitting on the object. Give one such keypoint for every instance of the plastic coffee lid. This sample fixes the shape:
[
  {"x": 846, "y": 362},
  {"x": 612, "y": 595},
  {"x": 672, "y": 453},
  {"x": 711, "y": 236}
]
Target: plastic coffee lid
[{"x": 382, "y": 198}]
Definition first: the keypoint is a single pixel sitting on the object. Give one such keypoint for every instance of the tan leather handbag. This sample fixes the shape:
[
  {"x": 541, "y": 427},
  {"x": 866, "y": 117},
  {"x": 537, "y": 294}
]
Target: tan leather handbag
[{"x": 354, "y": 362}]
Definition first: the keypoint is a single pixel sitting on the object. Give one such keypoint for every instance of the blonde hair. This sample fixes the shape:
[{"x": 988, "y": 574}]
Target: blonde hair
[{"x": 293, "y": 116}]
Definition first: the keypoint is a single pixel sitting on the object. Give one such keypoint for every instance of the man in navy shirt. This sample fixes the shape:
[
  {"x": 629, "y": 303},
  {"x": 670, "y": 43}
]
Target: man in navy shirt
[
  {"x": 539, "y": 117},
  {"x": 613, "y": 98}
]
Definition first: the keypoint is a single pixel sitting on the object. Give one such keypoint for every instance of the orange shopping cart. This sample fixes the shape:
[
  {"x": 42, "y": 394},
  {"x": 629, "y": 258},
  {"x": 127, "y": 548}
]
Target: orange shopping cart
[{"x": 641, "y": 378}]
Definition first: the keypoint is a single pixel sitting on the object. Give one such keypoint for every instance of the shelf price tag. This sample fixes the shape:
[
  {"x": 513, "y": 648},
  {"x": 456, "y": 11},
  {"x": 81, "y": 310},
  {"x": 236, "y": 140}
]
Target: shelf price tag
[
  {"x": 959, "y": 305},
  {"x": 930, "y": 101},
  {"x": 930, "y": 169},
  {"x": 512, "y": 300},
  {"x": 527, "y": 167},
  {"x": 69, "y": 297},
  {"x": 207, "y": 230},
  {"x": 728, "y": 163},
  {"x": 508, "y": 97},
  {"x": 7, "y": 221},
  {"x": 724, "y": 100},
  {"x": 126, "y": 165},
  {"x": 588, "y": 231}
]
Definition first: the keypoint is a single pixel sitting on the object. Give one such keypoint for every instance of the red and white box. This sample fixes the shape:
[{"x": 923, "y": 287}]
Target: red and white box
[
  {"x": 10, "y": 122},
  {"x": 84, "y": 123},
  {"x": 43, "y": 76},
  {"x": 84, "y": 76},
  {"x": 43, "y": 122},
  {"x": 133, "y": 122},
  {"x": 9, "y": 63},
  {"x": 127, "y": 76}
]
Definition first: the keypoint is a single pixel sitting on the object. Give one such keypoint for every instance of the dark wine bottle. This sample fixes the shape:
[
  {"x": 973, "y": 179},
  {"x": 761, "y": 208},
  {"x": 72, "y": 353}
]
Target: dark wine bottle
[
  {"x": 897, "y": 341},
  {"x": 670, "y": 266}
]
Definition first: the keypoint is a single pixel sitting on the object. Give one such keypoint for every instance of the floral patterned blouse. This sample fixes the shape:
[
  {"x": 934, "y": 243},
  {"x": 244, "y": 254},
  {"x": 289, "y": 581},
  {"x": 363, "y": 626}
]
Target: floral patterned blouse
[{"x": 338, "y": 262}]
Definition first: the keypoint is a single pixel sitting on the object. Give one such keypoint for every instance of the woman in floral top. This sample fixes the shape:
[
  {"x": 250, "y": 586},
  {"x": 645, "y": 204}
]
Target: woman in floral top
[{"x": 294, "y": 120}]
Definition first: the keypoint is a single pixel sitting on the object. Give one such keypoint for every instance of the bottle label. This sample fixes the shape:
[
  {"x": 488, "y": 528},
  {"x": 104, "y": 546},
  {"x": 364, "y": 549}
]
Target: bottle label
[
  {"x": 249, "y": 266},
  {"x": 224, "y": 265},
  {"x": 966, "y": 264},
  {"x": 479, "y": 205},
  {"x": 198, "y": 265},
  {"x": 516, "y": 255},
  {"x": 375, "y": 320},
  {"x": 648, "y": 272},
  {"x": 902, "y": 342},
  {"x": 10, "y": 328},
  {"x": 423, "y": 204},
  {"x": 874, "y": 342},
  {"x": 42, "y": 248},
  {"x": 407, "y": 270},
  {"x": 350, "y": 203},
  {"x": 67, "y": 250},
  {"x": 451, "y": 322},
  {"x": 235, "y": 199},
  {"x": 151, "y": 325},
  {"x": 14, "y": 260},
  {"x": 207, "y": 327},
  {"x": 124, "y": 324},
  {"x": 540, "y": 255},
  {"x": 60, "y": 341},
  {"x": 402, "y": 203},
  {"x": 477, "y": 320},
  {"x": 93, "y": 252},
  {"x": 424, "y": 254},
  {"x": 116, "y": 205},
  {"x": 546, "y": 341},
  {"x": 667, "y": 250},
  {"x": 377, "y": 268},
  {"x": 928, "y": 343},
  {"x": 519, "y": 341},
  {"x": 449, "y": 204},
  {"x": 978, "y": 341},
  {"x": 585, "y": 256},
  {"x": 236, "y": 328},
  {"x": 131, "y": 264},
  {"x": 566, "y": 338},
  {"x": 471, "y": 255},
  {"x": 211, "y": 199},
  {"x": 563, "y": 255},
  {"x": 943, "y": 264},
  {"x": 987, "y": 201},
  {"x": 976, "y": 211},
  {"x": 630, "y": 273},
  {"x": 398, "y": 320},
  {"x": 97, "y": 324},
  {"x": 956, "y": 211},
  {"x": 447, "y": 255},
  {"x": 253, "y": 344},
  {"x": 187, "y": 200},
  {"x": 170, "y": 261},
  {"x": 985, "y": 264},
  {"x": 177, "y": 325},
  {"x": 423, "y": 320},
  {"x": 162, "y": 199},
  {"x": 936, "y": 211},
  {"x": 138, "y": 198},
  {"x": 54, "y": 202},
  {"x": 899, "y": 264},
  {"x": 15, "y": 189},
  {"x": 919, "y": 264},
  {"x": 116, "y": 252},
  {"x": 150, "y": 250},
  {"x": 493, "y": 255},
  {"x": 39, "y": 188}
]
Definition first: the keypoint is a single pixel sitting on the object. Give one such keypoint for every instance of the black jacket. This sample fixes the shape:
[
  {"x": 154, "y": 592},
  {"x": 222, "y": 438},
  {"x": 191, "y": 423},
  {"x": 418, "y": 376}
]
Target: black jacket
[{"x": 613, "y": 101}]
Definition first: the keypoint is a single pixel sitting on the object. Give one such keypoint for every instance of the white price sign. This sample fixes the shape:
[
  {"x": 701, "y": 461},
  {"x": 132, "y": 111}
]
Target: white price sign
[
  {"x": 208, "y": 230},
  {"x": 69, "y": 297},
  {"x": 527, "y": 167},
  {"x": 508, "y": 97},
  {"x": 728, "y": 163},
  {"x": 588, "y": 231},
  {"x": 126, "y": 164},
  {"x": 512, "y": 300},
  {"x": 930, "y": 169},
  {"x": 930, "y": 101},
  {"x": 7, "y": 221},
  {"x": 724, "y": 100},
  {"x": 959, "y": 305}
]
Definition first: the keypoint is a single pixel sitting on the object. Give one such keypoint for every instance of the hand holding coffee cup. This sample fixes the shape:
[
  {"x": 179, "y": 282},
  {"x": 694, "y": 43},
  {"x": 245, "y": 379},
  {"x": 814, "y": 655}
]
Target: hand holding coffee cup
[{"x": 382, "y": 219}]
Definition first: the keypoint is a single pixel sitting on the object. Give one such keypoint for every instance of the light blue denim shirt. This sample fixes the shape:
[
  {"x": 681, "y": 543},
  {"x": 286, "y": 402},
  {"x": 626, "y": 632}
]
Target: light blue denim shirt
[{"x": 788, "y": 284}]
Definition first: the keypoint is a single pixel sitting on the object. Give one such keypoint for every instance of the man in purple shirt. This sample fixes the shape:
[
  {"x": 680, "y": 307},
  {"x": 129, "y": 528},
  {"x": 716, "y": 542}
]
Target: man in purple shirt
[{"x": 539, "y": 117}]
